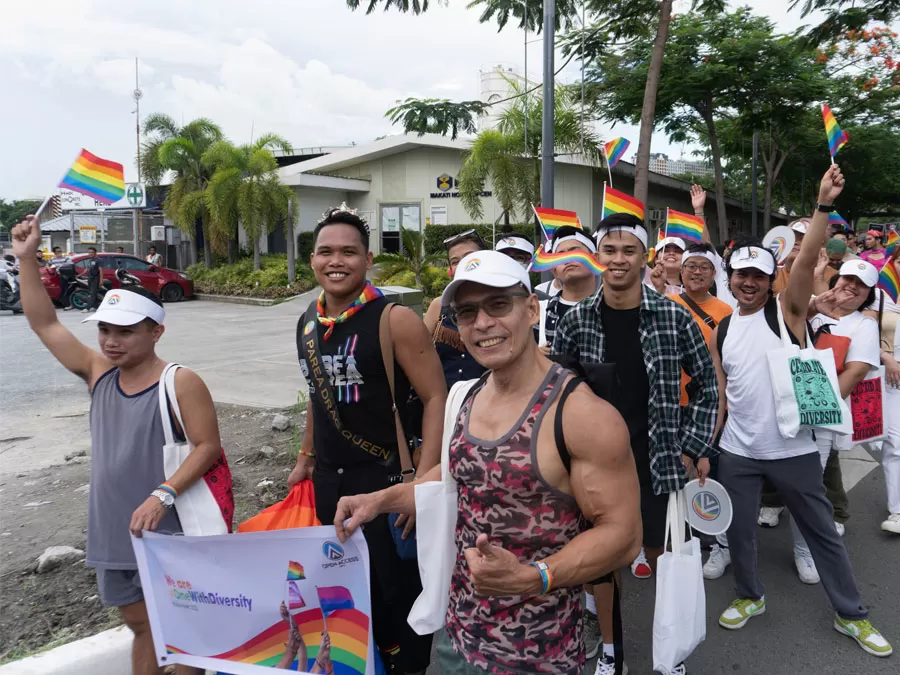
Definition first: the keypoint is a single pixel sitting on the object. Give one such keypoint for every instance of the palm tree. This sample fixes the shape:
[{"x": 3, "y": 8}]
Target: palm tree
[
  {"x": 244, "y": 189},
  {"x": 180, "y": 150},
  {"x": 412, "y": 257}
]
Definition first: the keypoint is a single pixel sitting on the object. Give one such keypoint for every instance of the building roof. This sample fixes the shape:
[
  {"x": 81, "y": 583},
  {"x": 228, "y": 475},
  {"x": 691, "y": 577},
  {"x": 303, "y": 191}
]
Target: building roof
[{"x": 62, "y": 223}]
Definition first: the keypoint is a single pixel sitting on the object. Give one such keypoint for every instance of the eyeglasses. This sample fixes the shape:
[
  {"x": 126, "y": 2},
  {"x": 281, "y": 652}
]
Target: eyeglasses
[
  {"x": 462, "y": 236},
  {"x": 693, "y": 267},
  {"x": 496, "y": 307}
]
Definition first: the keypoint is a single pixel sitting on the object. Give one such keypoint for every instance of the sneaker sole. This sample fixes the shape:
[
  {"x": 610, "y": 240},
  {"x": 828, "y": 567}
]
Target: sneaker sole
[
  {"x": 736, "y": 626},
  {"x": 713, "y": 577},
  {"x": 891, "y": 529},
  {"x": 866, "y": 648},
  {"x": 768, "y": 526}
]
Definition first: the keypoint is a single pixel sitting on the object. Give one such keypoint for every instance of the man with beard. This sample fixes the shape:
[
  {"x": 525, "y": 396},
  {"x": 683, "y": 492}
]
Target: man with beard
[
  {"x": 752, "y": 447},
  {"x": 650, "y": 339},
  {"x": 351, "y": 439}
]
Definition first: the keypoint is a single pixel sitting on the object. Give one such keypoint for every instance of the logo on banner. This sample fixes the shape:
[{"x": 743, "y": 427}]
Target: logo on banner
[
  {"x": 706, "y": 505},
  {"x": 334, "y": 554}
]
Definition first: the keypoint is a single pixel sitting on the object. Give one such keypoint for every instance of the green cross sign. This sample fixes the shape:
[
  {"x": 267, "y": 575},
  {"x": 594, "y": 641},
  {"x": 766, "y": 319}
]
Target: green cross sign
[{"x": 135, "y": 195}]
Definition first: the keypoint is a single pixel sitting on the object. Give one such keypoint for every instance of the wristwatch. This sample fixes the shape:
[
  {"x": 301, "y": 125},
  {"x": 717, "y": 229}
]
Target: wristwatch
[
  {"x": 825, "y": 208},
  {"x": 167, "y": 500}
]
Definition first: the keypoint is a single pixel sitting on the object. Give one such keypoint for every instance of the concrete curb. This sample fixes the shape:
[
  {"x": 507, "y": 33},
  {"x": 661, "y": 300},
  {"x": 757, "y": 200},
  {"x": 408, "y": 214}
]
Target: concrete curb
[
  {"x": 107, "y": 653},
  {"x": 242, "y": 300}
]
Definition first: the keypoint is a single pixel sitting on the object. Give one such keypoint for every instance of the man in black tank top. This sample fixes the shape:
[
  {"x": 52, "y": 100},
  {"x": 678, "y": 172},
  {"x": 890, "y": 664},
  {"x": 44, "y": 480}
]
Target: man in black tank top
[{"x": 351, "y": 439}]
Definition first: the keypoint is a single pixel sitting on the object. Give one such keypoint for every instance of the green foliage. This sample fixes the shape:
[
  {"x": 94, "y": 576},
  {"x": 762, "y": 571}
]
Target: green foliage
[
  {"x": 270, "y": 281},
  {"x": 14, "y": 211},
  {"x": 436, "y": 116},
  {"x": 436, "y": 234},
  {"x": 304, "y": 246},
  {"x": 412, "y": 258},
  {"x": 434, "y": 280}
]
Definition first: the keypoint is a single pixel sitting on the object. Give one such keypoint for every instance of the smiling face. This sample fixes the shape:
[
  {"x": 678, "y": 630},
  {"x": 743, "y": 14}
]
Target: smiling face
[
  {"x": 671, "y": 258},
  {"x": 128, "y": 346},
  {"x": 499, "y": 340},
  {"x": 459, "y": 251},
  {"x": 623, "y": 255},
  {"x": 698, "y": 275},
  {"x": 340, "y": 260},
  {"x": 855, "y": 291},
  {"x": 750, "y": 287}
]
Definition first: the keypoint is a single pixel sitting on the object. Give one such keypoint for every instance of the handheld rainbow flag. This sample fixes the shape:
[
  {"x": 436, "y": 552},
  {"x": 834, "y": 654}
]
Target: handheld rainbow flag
[
  {"x": 837, "y": 138},
  {"x": 889, "y": 282},
  {"x": 618, "y": 202},
  {"x": 891, "y": 243},
  {"x": 544, "y": 262},
  {"x": 295, "y": 600},
  {"x": 684, "y": 225},
  {"x": 553, "y": 219},
  {"x": 98, "y": 178},
  {"x": 332, "y": 598},
  {"x": 651, "y": 256},
  {"x": 615, "y": 149},
  {"x": 295, "y": 571},
  {"x": 834, "y": 218}
]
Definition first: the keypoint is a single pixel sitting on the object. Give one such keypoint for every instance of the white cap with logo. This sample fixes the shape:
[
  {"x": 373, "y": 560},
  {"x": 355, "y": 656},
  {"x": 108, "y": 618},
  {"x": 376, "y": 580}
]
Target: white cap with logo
[
  {"x": 865, "y": 271},
  {"x": 127, "y": 308},
  {"x": 488, "y": 268},
  {"x": 755, "y": 257},
  {"x": 517, "y": 243},
  {"x": 674, "y": 241}
]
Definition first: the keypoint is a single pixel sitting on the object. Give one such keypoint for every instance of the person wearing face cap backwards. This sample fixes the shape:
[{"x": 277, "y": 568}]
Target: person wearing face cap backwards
[
  {"x": 650, "y": 339},
  {"x": 753, "y": 449},
  {"x": 129, "y": 489}
]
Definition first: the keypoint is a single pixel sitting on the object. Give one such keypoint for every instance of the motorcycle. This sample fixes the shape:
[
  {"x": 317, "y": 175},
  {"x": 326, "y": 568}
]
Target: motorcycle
[
  {"x": 9, "y": 286},
  {"x": 80, "y": 296}
]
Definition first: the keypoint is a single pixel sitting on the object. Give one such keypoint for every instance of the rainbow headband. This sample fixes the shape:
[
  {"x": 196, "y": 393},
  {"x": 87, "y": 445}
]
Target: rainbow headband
[
  {"x": 699, "y": 254},
  {"x": 582, "y": 239},
  {"x": 638, "y": 232}
]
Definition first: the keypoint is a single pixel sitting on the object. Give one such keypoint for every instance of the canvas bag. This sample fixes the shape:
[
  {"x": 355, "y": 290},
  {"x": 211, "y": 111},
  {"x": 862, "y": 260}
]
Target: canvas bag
[
  {"x": 436, "y": 504},
  {"x": 805, "y": 386},
  {"x": 679, "y": 619},
  {"x": 199, "y": 511}
]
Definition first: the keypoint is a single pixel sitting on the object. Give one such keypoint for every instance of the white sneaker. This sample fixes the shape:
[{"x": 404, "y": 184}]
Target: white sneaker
[
  {"x": 718, "y": 561},
  {"x": 892, "y": 524},
  {"x": 640, "y": 568},
  {"x": 769, "y": 515},
  {"x": 806, "y": 568},
  {"x": 606, "y": 665},
  {"x": 85, "y": 311},
  {"x": 840, "y": 528}
]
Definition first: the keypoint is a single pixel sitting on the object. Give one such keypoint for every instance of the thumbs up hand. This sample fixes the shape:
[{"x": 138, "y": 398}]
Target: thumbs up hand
[{"x": 496, "y": 571}]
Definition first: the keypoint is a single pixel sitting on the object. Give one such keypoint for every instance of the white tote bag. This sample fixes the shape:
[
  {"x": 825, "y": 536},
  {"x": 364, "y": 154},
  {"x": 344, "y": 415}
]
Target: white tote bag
[
  {"x": 436, "y": 510},
  {"x": 197, "y": 509},
  {"x": 679, "y": 620},
  {"x": 805, "y": 385}
]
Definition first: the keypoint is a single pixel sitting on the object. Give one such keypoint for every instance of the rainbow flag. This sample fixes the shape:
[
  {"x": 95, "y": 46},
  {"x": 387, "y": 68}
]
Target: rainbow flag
[
  {"x": 888, "y": 281},
  {"x": 834, "y": 218},
  {"x": 295, "y": 600},
  {"x": 332, "y": 598},
  {"x": 837, "y": 138},
  {"x": 615, "y": 149},
  {"x": 618, "y": 202},
  {"x": 553, "y": 219},
  {"x": 651, "y": 256},
  {"x": 684, "y": 225},
  {"x": 543, "y": 262},
  {"x": 295, "y": 571},
  {"x": 98, "y": 178},
  {"x": 891, "y": 243}
]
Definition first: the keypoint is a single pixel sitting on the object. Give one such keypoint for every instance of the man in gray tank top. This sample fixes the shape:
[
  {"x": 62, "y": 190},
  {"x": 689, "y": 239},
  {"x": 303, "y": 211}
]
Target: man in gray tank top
[{"x": 129, "y": 490}]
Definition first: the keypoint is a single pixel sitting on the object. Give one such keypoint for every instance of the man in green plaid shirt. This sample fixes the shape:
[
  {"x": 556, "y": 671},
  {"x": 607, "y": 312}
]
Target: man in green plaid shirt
[{"x": 651, "y": 340}]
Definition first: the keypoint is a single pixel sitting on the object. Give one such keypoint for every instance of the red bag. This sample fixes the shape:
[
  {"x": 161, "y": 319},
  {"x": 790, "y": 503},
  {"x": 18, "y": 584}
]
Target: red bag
[
  {"x": 839, "y": 344},
  {"x": 298, "y": 509},
  {"x": 218, "y": 479}
]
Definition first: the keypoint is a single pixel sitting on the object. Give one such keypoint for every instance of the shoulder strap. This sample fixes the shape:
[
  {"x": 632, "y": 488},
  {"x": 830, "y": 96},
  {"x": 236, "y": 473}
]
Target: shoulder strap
[
  {"x": 880, "y": 312},
  {"x": 168, "y": 401},
  {"x": 310, "y": 342},
  {"x": 558, "y": 434},
  {"x": 707, "y": 319},
  {"x": 720, "y": 336},
  {"x": 771, "y": 313},
  {"x": 407, "y": 470}
]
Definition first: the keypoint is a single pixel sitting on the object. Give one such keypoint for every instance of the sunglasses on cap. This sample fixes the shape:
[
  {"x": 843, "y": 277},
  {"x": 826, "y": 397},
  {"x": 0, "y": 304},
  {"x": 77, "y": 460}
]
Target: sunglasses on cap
[{"x": 464, "y": 236}]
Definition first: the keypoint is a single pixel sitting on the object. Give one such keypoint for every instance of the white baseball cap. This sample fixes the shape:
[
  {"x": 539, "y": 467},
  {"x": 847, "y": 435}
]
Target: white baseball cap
[
  {"x": 517, "y": 243},
  {"x": 677, "y": 241},
  {"x": 488, "y": 268},
  {"x": 127, "y": 308},
  {"x": 865, "y": 271},
  {"x": 800, "y": 226},
  {"x": 755, "y": 257}
]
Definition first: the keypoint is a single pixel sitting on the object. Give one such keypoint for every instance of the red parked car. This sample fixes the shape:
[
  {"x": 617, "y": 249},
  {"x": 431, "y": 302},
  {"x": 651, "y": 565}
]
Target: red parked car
[{"x": 168, "y": 284}]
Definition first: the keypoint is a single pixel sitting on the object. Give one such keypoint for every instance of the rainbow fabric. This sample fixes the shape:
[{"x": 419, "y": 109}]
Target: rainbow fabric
[
  {"x": 891, "y": 243},
  {"x": 837, "y": 138},
  {"x": 295, "y": 600},
  {"x": 543, "y": 262},
  {"x": 295, "y": 571},
  {"x": 98, "y": 178},
  {"x": 333, "y": 598},
  {"x": 651, "y": 256},
  {"x": 368, "y": 294},
  {"x": 618, "y": 202},
  {"x": 834, "y": 218},
  {"x": 615, "y": 149},
  {"x": 888, "y": 281},
  {"x": 553, "y": 219},
  {"x": 684, "y": 225}
]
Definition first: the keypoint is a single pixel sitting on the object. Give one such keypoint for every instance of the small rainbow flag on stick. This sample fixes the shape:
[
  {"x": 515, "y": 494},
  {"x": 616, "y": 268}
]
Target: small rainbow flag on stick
[
  {"x": 834, "y": 218},
  {"x": 615, "y": 149},
  {"x": 888, "y": 281},
  {"x": 837, "y": 138},
  {"x": 891, "y": 243},
  {"x": 553, "y": 219},
  {"x": 619, "y": 202},
  {"x": 295, "y": 571},
  {"x": 98, "y": 178},
  {"x": 684, "y": 225},
  {"x": 544, "y": 262}
]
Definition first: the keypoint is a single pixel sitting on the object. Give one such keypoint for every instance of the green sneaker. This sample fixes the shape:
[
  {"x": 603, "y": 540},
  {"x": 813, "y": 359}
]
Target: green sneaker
[
  {"x": 865, "y": 634},
  {"x": 740, "y": 611}
]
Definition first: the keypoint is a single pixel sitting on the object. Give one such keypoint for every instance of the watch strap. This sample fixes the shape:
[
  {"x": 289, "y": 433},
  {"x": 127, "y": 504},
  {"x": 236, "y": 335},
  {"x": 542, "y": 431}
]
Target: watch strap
[{"x": 825, "y": 208}]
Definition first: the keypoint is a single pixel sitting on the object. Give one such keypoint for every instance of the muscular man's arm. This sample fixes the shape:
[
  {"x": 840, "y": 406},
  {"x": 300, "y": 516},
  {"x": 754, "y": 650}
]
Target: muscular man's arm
[{"x": 416, "y": 356}]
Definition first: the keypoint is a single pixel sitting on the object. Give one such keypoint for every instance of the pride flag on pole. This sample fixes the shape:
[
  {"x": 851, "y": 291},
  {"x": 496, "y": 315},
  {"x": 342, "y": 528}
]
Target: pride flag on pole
[
  {"x": 95, "y": 177},
  {"x": 295, "y": 571},
  {"x": 295, "y": 600},
  {"x": 891, "y": 243},
  {"x": 619, "y": 202},
  {"x": 544, "y": 262},
  {"x": 615, "y": 149},
  {"x": 684, "y": 225},
  {"x": 553, "y": 219},
  {"x": 888, "y": 280},
  {"x": 837, "y": 138},
  {"x": 332, "y": 598}
]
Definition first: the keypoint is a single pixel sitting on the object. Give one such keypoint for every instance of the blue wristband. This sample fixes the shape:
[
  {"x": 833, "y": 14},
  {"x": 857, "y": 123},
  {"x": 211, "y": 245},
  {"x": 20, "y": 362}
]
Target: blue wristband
[{"x": 545, "y": 578}]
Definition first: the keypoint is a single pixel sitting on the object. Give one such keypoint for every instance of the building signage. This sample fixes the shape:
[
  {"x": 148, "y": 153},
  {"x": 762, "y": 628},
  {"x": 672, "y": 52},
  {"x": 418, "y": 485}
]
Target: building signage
[{"x": 446, "y": 183}]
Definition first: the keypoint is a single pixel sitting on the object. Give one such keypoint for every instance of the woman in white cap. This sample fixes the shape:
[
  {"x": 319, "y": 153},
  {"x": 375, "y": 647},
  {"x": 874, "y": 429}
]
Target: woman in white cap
[{"x": 666, "y": 274}]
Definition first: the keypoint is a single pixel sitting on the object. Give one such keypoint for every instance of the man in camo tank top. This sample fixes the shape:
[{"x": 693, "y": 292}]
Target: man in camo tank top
[
  {"x": 129, "y": 490},
  {"x": 531, "y": 479}
]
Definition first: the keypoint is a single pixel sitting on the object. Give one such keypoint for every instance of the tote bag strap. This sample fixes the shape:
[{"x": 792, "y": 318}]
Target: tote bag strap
[
  {"x": 455, "y": 399},
  {"x": 782, "y": 327},
  {"x": 164, "y": 386},
  {"x": 675, "y": 521}
]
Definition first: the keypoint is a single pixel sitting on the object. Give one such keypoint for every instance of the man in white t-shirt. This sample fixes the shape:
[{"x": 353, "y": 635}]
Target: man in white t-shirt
[{"x": 753, "y": 449}]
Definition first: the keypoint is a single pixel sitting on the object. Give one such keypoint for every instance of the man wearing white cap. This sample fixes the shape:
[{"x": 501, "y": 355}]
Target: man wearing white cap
[
  {"x": 129, "y": 490},
  {"x": 752, "y": 447},
  {"x": 534, "y": 454},
  {"x": 784, "y": 273},
  {"x": 518, "y": 248},
  {"x": 650, "y": 339}
]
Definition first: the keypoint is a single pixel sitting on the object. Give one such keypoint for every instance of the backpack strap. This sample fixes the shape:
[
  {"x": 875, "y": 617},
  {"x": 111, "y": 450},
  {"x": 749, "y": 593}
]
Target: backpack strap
[
  {"x": 723, "y": 331},
  {"x": 706, "y": 318},
  {"x": 558, "y": 434},
  {"x": 407, "y": 468}
]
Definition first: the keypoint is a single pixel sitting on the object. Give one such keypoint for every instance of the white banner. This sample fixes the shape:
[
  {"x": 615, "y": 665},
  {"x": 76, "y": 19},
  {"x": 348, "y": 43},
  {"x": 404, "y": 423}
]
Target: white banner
[{"x": 215, "y": 602}]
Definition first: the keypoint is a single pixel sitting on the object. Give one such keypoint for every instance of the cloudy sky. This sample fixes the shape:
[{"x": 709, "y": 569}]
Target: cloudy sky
[{"x": 310, "y": 70}]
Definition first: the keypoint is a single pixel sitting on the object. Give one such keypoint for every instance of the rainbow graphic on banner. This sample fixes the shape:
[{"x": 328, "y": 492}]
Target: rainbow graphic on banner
[
  {"x": 837, "y": 138},
  {"x": 348, "y": 628},
  {"x": 619, "y": 202},
  {"x": 95, "y": 177},
  {"x": 543, "y": 262},
  {"x": 615, "y": 149},
  {"x": 295, "y": 571},
  {"x": 889, "y": 282},
  {"x": 684, "y": 225}
]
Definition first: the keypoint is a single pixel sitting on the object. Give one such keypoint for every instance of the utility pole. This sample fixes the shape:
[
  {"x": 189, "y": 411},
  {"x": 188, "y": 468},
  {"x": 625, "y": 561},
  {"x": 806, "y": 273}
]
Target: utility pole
[
  {"x": 754, "y": 188},
  {"x": 547, "y": 138},
  {"x": 136, "y": 215}
]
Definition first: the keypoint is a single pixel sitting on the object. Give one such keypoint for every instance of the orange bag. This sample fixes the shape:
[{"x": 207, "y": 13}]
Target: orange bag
[
  {"x": 298, "y": 509},
  {"x": 839, "y": 344}
]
